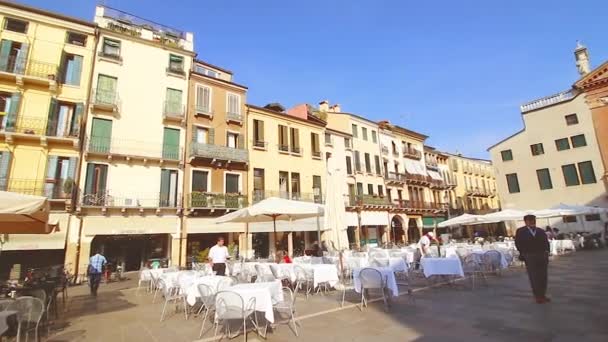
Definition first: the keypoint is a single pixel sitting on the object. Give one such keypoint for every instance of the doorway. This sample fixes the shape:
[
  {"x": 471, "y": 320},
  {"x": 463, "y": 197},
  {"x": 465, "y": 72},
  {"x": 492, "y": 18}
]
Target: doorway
[
  {"x": 413, "y": 234},
  {"x": 397, "y": 232}
]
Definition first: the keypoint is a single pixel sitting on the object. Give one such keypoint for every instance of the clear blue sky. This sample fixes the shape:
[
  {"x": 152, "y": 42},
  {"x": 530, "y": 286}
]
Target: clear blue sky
[{"x": 454, "y": 70}]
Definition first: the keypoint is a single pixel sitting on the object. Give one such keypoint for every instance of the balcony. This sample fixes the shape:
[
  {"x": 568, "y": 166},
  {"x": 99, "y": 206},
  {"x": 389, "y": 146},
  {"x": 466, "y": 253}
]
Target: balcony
[
  {"x": 218, "y": 152},
  {"x": 110, "y": 56},
  {"x": 431, "y": 164},
  {"x": 416, "y": 179},
  {"x": 210, "y": 200},
  {"x": 203, "y": 111},
  {"x": 39, "y": 129},
  {"x": 439, "y": 184},
  {"x": 105, "y": 100},
  {"x": 420, "y": 205},
  {"x": 384, "y": 149},
  {"x": 368, "y": 201},
  {"x": 178, "y": 71},
  {"x": 54, "y": 189},
  {"x": 174, "y": 111},
  {"x": 132, "y": 150},
  {"x": 395, "y": 178},
  {"x": 119, "y": 199},
  {"x": 480, "y": 192},
  {"x": 548, "y": 101},
  {"x": 258, "y": 195},
  {"x": 24, "y": 70},
  {"x": 296, "y": 150},
  {"x": 260, "y": 145},
  {"x": 234, "y": 117},
  {"x": 412, "y": 153},
  {"x": 283, "y": 148}
]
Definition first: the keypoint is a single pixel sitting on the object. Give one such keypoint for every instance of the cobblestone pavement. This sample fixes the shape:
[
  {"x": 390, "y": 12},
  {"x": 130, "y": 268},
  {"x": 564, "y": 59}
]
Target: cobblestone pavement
[{"x": 502, "y": 311}]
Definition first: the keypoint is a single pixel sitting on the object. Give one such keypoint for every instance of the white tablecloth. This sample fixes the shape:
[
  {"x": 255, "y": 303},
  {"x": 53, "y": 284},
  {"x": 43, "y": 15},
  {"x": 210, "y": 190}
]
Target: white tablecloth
[
  {"x": 147, "y": 273},
  {"x": 441, "y": 266},
  {"x": 265, "y": 294},
  {"x": 323, "y": 273},
  {"x": 387, "y": 274},
  {"x": 559, "y": 246},
  {"x": 191, "y": 291}
]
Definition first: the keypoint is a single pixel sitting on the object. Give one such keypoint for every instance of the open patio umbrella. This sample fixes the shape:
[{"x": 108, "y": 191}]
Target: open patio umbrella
[
  {"x": 273, "y": 209},
  {"x": 24, "y": 214},
  {"x": 462, "y": 220}
]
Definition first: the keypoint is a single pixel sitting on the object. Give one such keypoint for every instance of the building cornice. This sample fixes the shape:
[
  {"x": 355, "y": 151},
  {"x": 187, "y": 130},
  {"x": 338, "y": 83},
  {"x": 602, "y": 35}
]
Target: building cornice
[
  {"x": 218, "y": 80},
  {"x": 284, "y": 116},
  {"x": 55, "y": 15},
  {"x": 146, "y": 42}
]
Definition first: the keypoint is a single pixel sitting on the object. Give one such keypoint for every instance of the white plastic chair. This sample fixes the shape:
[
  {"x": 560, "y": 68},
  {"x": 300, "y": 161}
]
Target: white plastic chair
[
  {"x": 230, "y": 305},
  {"x": 288, "y": 307},
  {"x": 372, "y": 279}
]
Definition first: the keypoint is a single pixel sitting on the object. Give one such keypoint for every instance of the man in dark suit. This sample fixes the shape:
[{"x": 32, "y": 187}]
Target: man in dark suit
[{"x": 533, "y": 247}]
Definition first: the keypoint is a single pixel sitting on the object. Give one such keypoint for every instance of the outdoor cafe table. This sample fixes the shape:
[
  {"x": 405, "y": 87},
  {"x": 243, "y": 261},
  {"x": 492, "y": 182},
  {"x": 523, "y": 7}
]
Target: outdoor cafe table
[
  {"x": 266, "y": 295},
  {"x": 147, "y": 273},
  {"x": 558, "y": 246},
  {"x": 191, "y": 289},
  {"x": 441, "y": 266},
  {"x": 387, "y": 274}
]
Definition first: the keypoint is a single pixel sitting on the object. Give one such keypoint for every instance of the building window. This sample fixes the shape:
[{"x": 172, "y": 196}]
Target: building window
[
  {"x": 349, "y": 166},
  {"x": 201, "y": 135},
  {"x": 368, "y": 166},
  {"x": 578, "y": 141},
  {"x": 537, "y": 149},
  {"x": 377, "y": 161},
  {"x": 72, "y": 68},
  {"x": 357, "y": 161},
  {"x": 283, "y": 184},
  {"x": 571, "y": 119},
  {"x": 204, "y": 71},
  {"x": 234, "y": 104},
  {"x": 203, "y": 99},
  {"x": 562, "y": 144},
  {"x": 355, "y": 132},
  {"x": 15, "y": 25},
  {"x": 258, "y": 134},
  {"x": 295, "y": 141},
  {"x": 317, "y": 191},
  {"x": 258, "y": 185},
  {"x": 569, "y": 219},
  {"x": 359, "y": 189},
  {"x": 506, "y": 155},
  {"x": 314, "y": 145},
  {"x": 512, "y": 183},
  {"x": 328, "y": 139},
  {"x": 592, "y": 217},
  {"x": 348, "y": 143},
  {"x": 76, "y": 38},
  {"x": 585, "y": 169},
  {"x": 364, "y": 133},
  {"x": 283, "y": 139},
  {"x": 380, "y": 191},
  {"x": 200, "y": 181},
  {"x": 544, "y": 179},
  {"x": 374, "y": 137},
  {"x": 176, "y": 64},
  {"x": 232, "y": 140},
  {"x": 111, "y": 48},
  {"x": 295, "y": 185},
  {"x": 370, "y": 189},
  {"x": 232, "y": 183},
  {"x": 570, "y": 175}
]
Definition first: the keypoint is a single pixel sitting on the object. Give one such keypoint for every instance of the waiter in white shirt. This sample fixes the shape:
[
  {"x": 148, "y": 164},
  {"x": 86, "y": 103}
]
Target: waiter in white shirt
[
  {"x": 217, "y": 257},
  {"x": 425, "y": 243}
]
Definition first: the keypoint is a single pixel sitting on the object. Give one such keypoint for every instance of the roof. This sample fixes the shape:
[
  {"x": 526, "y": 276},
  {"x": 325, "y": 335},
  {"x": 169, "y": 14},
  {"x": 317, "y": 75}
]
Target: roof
[
  {"x": 311, "y": 118},
  {"x": 47, "y": 13},
  {"x": 402, "y": 130},
  {"x": 331, "y": 130},
  {"x": 505, "y": 139},
  {"x": 356, "y": 116},
  {"x": 594, "y": 78},
  {"x": 213, "y": 66},
  {"x": 192, "y": 72},
  {"x": 465, "y": 157}
]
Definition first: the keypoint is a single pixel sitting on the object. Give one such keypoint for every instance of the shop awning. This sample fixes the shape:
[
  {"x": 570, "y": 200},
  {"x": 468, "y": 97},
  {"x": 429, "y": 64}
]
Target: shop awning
[
  {"x": 351, "y": 219},
  {"x": 208, "y": 225},
  {"x": 429, "y": 222},
  {"x": 435, "y": 175},
  {"x": 413, "y": 167},
  {"x": 374, "y": 218},
  {"x": 114, "y": 225}
]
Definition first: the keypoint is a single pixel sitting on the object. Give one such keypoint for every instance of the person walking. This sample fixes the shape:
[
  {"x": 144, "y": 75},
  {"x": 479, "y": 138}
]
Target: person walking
[
  {"x": 218, "y": 255},
  {"x": 96, "y": 264},
  {"x": 533, "y": 247}
]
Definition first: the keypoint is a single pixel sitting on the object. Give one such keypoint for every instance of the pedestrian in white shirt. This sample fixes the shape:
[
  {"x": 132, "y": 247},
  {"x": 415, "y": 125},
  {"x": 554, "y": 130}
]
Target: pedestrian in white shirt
[
  {"x": 425, "y": 243},
  {"x": 218, "y": 255}
]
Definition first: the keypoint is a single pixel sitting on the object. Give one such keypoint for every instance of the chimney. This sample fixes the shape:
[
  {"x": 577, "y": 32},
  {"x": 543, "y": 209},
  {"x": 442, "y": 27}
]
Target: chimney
[
  {"x": 582, "y": 59},
  {"x": 324, "y": 106},
  {"x": 335, "y": 108}
]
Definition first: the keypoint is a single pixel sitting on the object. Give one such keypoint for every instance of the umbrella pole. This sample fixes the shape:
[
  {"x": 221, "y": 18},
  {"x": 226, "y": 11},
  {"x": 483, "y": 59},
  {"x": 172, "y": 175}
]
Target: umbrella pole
[{"x": 276, "y": 243}]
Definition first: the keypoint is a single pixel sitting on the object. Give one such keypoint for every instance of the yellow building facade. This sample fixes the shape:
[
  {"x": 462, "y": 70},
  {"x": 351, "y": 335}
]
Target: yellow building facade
[{"x": 45, "y": 68}]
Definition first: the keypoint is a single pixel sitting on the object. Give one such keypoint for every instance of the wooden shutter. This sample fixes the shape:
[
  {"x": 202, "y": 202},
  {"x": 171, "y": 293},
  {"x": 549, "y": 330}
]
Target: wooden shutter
[
  {"x": 76, "y": 120},
  {"x": 76, "y": 71},
  {"x": 5, "y": 164},
  {"x": 165, "y": 184},
  {"x": 5, "y": 50},
  {"x": 11, "y": 116},
  {"x": 72, "y": 167},
  {"x": 51, "y": 172},
  {"x": 211, "y": 136},
  {"x": 21, "y": 61},
  {"x": 51, "y": 124},
  {"x": 240, "y": 140},
  {"x": 88, "y": 184}
]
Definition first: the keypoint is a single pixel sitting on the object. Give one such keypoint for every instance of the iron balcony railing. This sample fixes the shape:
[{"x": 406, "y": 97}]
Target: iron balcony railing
[
  {"x": 412, "y": 153},
  {"x": 431, "y": 164},
  {"x": 408, "y": 204},
  {"x": 413, "y": 177},
  {"x": 438, "y": 184},
  {"x": 132, "y": 148},
  {"x": 135, "y": 21},
  {"x": 476, "y": 191},
  {"x": 106, "y": 98},
  {"x": 39, "y": 126},
  {"x": 396, "y": 177},
  {"x": 367, "y": 200},
  {"x": 259, "y": 144},
  {"x": 113, "y": 56},
  {"x": 50, "y": 187},
  {"x": 203, "y": 110},
  {"x": 121, "y": 199},
  {"x": 297, "y": 150},
  {"x": 316, "y": 197},
  {"x": 384, "y": 149},
  {"x": 200, "y": 199},
  {"x": 173, "y": 109},
  {"x": 283, "y": 148},
  {"x": 28, "y": 67},
  {"x": 237, "y": 117},
  {"x": 176, "y": 70},
  {"x": 219, "y": 152}
]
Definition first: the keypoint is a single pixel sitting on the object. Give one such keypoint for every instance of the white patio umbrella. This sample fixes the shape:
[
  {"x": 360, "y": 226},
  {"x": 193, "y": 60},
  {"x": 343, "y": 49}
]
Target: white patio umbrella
[
  {"x": 273, "y": 209},
  {"x": 504, "y": 215},
  {"x": 24, "y": 214},
  {"x": 335, "y": 212},
  {"x": 462, "y": 220}
]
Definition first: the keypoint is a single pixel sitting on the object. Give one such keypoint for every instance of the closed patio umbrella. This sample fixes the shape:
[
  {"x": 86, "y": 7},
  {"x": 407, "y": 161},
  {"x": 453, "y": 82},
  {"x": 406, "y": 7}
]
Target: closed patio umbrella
[{"x": 335, "y": 211}]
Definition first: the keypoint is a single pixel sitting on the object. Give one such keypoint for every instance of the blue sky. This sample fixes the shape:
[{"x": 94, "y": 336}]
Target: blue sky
[{"x": 454, "y": 70}]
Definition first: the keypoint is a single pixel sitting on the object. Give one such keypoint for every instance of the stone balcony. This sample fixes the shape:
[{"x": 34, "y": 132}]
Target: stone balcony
[{"x": 218, "y": 152}]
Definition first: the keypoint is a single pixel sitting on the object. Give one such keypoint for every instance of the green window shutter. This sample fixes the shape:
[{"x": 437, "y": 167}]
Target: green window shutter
[
  {"x": 5, "y": 49},
  {"x": 570, "y": 175},
  {"x": 11, "y": 116},
  {"x": 106, "y": 90},
  {"x": 51, "y": 124},
  {"x": 165, "y": 183},
  {"x": 586, "y": 171},
  {"x": 171, "y": 143},
  {"x": 51, "y": 173},
  {"x": 76, "y": 120},
  {"x": 88, "y": 184},
  {"x": 21, "y": 61},
  {"x": 5, "y": 164},
  {"x": 101, "y": 135},
  {"x": 211, "y": 136},
  {"x": 241, "y": 141},
  {"x": 76, "y": 70}
]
